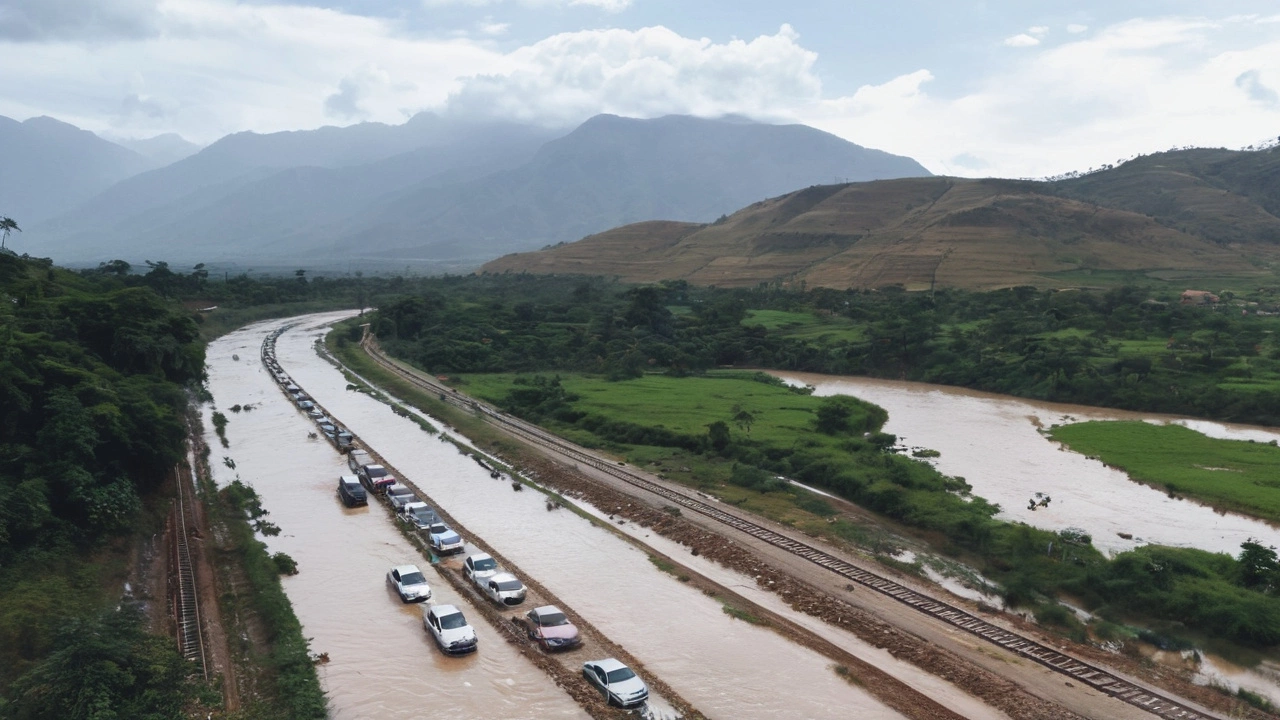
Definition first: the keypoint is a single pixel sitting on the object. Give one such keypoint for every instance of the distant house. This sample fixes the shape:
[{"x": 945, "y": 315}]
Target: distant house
[{"x": 1198, "y": 297}]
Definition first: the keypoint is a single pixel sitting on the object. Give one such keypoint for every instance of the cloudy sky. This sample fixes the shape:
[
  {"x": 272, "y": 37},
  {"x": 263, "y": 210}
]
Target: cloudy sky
[{"x": 967, "y": 87}]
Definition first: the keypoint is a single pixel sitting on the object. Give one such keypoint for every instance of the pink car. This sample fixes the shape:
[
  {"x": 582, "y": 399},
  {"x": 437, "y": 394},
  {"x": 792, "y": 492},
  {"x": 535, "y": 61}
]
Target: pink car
[{"x": 551, "y": 628}]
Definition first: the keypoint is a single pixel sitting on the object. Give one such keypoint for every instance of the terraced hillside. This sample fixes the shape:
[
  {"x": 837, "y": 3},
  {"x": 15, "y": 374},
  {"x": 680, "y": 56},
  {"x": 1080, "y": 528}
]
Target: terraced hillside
[{"x": 1191, "y": 213}]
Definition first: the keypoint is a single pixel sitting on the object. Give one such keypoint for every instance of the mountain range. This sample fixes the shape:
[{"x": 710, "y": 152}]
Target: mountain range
[
  {"x": 436, "y": 191},
  {"x": 1175, "y": 214},
  {"x": 50, "y": 166}
]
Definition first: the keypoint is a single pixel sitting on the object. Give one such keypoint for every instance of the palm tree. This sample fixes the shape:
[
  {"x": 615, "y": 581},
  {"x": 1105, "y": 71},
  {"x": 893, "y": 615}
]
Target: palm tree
[{"x": 7, "y": 225}]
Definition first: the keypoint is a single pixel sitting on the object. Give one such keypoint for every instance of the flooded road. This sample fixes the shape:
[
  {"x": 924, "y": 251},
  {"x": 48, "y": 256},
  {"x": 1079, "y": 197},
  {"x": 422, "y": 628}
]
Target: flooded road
[
  {"x": 993, "y": 442},
  {"x": 726, "y": 667},
  {"x": 382, "y": 663}
]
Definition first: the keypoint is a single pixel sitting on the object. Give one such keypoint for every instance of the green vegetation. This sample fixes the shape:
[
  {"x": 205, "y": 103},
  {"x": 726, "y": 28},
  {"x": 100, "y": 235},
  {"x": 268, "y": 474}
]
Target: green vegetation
[
  {"x": 91, "y": 420},
  {"x": 1231, "y": 474},
  {"x": 96, "y": 372},
  {"x": 104, "y": 666},
  {"x": 615, "y": 368},
  {"x": 288, "y": 669},
  {"x": 1130, "y": 347},
  {"x": 805, "y": 325},
  {"x": 743, "y": 615}
]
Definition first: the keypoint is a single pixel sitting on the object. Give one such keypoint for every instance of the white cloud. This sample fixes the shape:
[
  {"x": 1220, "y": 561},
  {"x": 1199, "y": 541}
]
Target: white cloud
[
  {"x": 646, "y": 72},
  {"x": 1021, "y": 40},
  {"x": 220, "y": 66},
  {"x": 493, "y": 29},
  {"x": 1135, "y": 87},
  {"x": 1038, "y": 30},
  {"x": 204, "y": 68},
  {"x": 1076, "y": 29},
  {"x": 612, "y": 6},
  {"x": 607, "y": 5},
  {"x": 38, "y": 20}
]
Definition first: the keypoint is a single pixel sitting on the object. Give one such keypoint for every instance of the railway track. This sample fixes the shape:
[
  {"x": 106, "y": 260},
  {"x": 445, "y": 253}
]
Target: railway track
[
  {"x": 1102, "y": 680},
  {"x": 186, "y": 600}
]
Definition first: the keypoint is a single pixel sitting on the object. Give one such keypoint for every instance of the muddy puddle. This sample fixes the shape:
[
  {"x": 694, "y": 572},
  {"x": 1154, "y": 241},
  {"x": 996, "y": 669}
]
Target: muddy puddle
[
  {"x": 726, "y": 667},
  {"x": 381, "y": 662},
  {"x": 994, "y": 443}
]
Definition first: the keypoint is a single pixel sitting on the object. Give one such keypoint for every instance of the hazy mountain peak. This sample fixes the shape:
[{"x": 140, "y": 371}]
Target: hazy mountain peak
[
  {"x": 163, "y": 149},
  {"x": 50, "y": 165}
]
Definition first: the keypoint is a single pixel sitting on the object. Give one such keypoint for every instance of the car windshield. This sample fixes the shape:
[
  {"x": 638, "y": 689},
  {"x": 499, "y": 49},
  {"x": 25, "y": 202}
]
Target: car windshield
[
  {"x": 485, "y": 564},
  {"x": 423, "y": 513},
  {"x": 413, "y": 578},
  {"x": 553, "y": 619},
  {"x": 620, "y": 674},
  {"x": 376, "y": 472},
  {"x": 439, "y": 529},
  {"x": 402, "y": 490},
  {"x": 453, "y": 622},
  {"x": 509, "y": 585}
]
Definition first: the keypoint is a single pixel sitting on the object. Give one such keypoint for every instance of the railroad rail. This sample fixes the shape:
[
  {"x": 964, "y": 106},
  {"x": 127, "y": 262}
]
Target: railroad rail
[
  {"x": 186, "y": 600},
  {"x": 1102, "y": 680}
]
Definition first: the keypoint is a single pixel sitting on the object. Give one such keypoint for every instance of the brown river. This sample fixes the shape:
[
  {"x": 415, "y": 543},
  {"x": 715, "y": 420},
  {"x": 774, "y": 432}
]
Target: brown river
[
  {"x": 383, "y": 665},
  {"x": 994, "y": 442}
]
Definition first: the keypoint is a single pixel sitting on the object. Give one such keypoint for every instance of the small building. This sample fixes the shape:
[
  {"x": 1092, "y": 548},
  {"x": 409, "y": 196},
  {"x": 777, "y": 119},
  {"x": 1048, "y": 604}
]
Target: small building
[{"x": 1198, "y": 297}]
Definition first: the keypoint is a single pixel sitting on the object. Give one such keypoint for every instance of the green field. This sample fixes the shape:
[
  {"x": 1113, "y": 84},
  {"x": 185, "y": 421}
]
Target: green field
[
  {"x": 804, "y": 325},
  {"x": 1227, "y": 474},
  {"x": 683, "y": 405}
]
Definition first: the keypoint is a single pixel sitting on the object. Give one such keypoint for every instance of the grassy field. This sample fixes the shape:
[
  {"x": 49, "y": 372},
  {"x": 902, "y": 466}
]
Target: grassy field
[
  {"x": 1227, "y": 474},
  {"x": 685, "y": 405},
  {"x": 803, "y": 325},
  {"x": 784, "y": 419}
]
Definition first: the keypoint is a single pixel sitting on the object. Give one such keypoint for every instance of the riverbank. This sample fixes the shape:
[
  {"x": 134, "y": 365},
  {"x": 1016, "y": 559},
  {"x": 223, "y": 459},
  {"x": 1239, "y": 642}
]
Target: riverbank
[{"x": 1234, "y": 475}]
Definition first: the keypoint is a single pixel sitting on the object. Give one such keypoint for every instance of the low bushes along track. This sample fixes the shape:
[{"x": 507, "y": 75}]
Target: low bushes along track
[{"x": 1104, "y": 681}]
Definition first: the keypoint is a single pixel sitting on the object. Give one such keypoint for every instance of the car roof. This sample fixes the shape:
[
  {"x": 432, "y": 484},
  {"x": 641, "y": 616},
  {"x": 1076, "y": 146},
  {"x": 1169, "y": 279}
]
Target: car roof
[
  {"x": 442, "y": 610},
  {"x": 349, "y": 479},
  {"x": 503, "y": 576},
  {"x": 546, "y": 610},
  {"x": 607, "y": 664},
  {"x": 402, "y": 569},
  {"x": 479, "y": 556},
  {"x": 397, "y": 486},
  {"x": 416, "y": 505}
]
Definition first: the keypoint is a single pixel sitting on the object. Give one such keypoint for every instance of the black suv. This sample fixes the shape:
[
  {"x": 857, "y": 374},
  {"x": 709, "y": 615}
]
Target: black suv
[{"x": 351, "y": 491}]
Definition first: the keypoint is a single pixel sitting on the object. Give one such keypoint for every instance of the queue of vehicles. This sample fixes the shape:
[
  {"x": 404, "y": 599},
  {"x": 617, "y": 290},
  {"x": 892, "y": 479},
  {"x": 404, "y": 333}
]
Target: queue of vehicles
[{"x": 548, "y": 626}]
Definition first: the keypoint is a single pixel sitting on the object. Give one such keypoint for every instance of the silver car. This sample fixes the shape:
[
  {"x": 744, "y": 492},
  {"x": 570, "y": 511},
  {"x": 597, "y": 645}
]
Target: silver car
[
  {"x": 409, "y": 583},
  {"x": 399, "y": 496},
  {"x": 479, "y": 567},
  {"x": 504, "y": 589},
  {"x": 619, "y": 684},
  {"x": 419, "y": 515}
]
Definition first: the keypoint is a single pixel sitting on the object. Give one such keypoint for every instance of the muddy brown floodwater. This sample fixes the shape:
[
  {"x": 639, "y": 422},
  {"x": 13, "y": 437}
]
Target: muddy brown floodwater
[
  {"x": 993, "y": 442},
  {"x": 382, "y": 663},
  {"x": 725, "y": 667}
]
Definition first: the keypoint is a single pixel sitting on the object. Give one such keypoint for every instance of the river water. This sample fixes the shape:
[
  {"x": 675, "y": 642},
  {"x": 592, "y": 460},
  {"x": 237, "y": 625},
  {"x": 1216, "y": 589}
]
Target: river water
[
  {"x": 994, "y": 442},
  {"x": 382, "y": 663}
]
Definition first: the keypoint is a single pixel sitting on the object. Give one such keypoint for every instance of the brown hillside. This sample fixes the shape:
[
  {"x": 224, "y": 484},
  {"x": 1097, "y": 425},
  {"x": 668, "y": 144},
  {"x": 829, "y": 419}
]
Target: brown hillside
[{"x": 912, "y": 232}]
